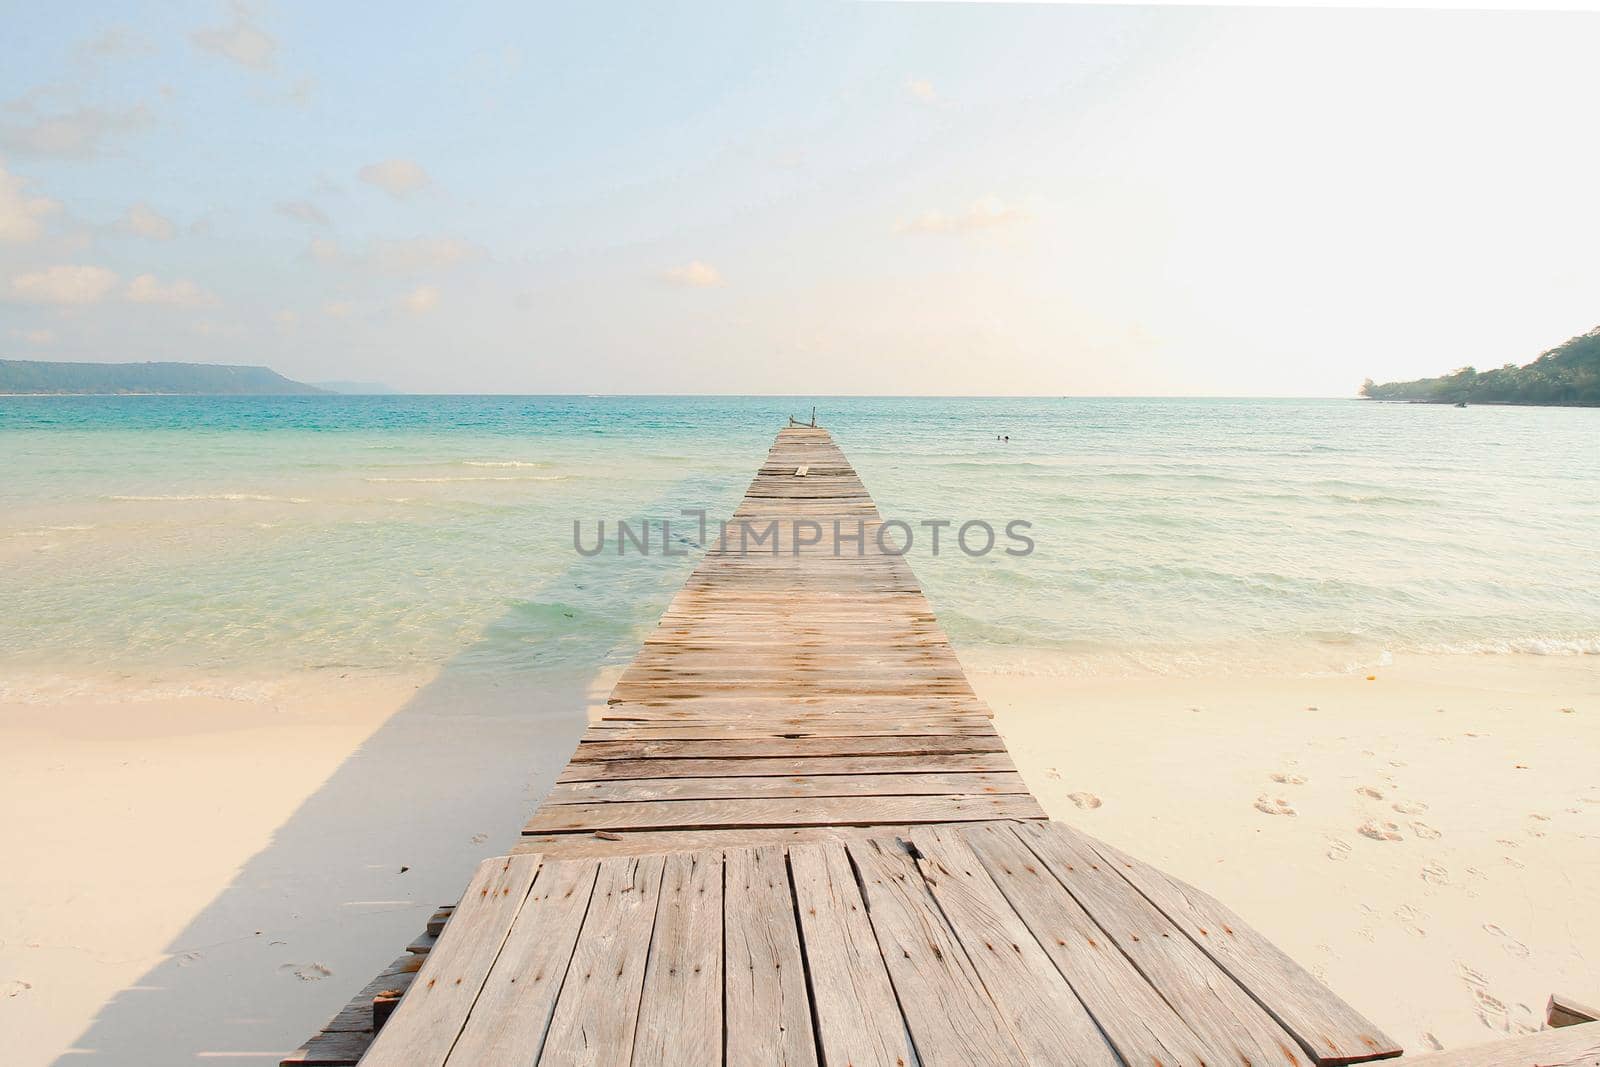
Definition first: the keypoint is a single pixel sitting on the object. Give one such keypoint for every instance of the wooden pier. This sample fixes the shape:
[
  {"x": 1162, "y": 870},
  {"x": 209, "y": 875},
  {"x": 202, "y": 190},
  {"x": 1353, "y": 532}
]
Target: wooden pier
[{"x": 794, "y": 837}]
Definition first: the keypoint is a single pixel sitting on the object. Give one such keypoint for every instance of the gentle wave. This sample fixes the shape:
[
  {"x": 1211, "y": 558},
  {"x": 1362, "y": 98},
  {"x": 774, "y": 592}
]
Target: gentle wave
[
  {"x": 501, "y": 463},
  {"x": 474, "y": 478},
  {"x": 169, "y": 497}
]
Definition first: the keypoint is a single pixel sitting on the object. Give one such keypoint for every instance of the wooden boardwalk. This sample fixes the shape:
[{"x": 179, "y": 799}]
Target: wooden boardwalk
[{"x": 794, "y": 837}]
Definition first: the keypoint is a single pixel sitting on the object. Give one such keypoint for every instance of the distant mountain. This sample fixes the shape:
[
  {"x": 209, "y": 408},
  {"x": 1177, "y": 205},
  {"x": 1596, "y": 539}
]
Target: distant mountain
[
  {"x": 1567, "y": 375},
  {"x": 357, "y": 388},
  {"x": 209, "y": 379}
]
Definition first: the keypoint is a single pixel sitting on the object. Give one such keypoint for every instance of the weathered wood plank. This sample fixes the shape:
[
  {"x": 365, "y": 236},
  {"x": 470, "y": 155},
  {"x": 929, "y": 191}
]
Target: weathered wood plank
[
  {"x": 425, "y": 1025},
  {"x": 1209, "y": 1017},
  {"x": 952, "y": 1018},
  {"x": 635, "y": 842},
  {"x": 680, "y": 1009},
  {"x": 787, "y": 765},
  {"x": 1325, "y": 1025},
  {"x": 780, "y": 811},
  {"x": 597, "y": 1010},
  {"x": 858, "y": 1019},
  {"x": 1047, "y": 1018},
  {"x": 1569, "y": 1046},
  {"x": 1564, "y": 1011},
  {"x": 509, "y": 1022},
  {"x": 826, "y": 785},
  {"x": 768, "y": 1012}
]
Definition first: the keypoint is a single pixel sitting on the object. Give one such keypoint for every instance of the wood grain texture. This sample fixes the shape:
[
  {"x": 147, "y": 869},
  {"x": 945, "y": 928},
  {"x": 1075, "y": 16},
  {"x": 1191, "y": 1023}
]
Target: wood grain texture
[
  {"x": 509, "y": 1022},
  {"x": 436, "y": 1006},
  {"x": 768, "y": 1012},
  {"x": 1331, "y": 1030},
  {"x": 1048, "y": 1020},
  {"x": 1226, "y": 1024},
  {"x": 1570, "y": 1046},
  {"x": 597, "y": 1012},
  {"x": 952, "y": 1017},
  {"x": 858, "y": 1019},
  {"x": 680, "y": 1009}
]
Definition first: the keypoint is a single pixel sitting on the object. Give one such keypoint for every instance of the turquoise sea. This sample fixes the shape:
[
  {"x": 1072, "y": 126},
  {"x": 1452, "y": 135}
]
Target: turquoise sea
[{"x": 151, "y": 537}]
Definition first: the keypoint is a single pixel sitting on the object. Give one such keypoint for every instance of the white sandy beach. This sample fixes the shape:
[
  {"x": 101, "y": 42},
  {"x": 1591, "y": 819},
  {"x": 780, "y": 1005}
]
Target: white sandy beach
[
  {"x": 194, "y": 876},
  {"x": 1427, "y": 843}
]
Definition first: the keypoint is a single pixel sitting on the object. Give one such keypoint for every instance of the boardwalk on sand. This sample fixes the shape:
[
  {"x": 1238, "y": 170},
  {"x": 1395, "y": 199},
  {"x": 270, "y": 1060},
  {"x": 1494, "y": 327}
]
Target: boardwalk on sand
[{"x": 794, "y": 837}]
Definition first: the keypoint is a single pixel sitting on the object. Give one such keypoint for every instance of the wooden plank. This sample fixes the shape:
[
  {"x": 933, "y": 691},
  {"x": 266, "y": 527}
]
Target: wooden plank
[
  {"x": 828, "y": 785},
  {"x": 787, "y": 765},
  {"x": 1564, "y": 1011},
  {"x": 509, "y": 1022},
  {"x": 768, "y": 1013},
  {"x": 426, "y": 1023},
  {"x": 784, "y": 746},
  {"x": 597, "y": 1010},
  {"x": 680, "y": 1010},
  {"x": 780, "y": 811},
  {"x": 857, "y": 1017},
  {"x": 1331, "y": 1030},
  {"x": 952, "y": 1018},
  {"x": 635, "y": 842},
  {"x": 1098, "y": 921},
  {"x": 1569, "y": 1046},
  {"x": 1047, "y": 1017}
]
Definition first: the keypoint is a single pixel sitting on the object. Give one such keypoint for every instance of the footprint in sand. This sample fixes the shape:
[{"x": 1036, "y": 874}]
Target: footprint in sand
[
  {"x": 1380, "y": 830},
  {"x": 189, "y": 959},
  {"x": 1409, "y": 807},
  {"x": 1434, "y": 874},
  {"x": 1051, "y": 772},
  {"x": 1273, "y": 805},
  {"x": 478, "y": 839},
  {"x": 1289, "y": 779},
  {"x": 1491, "y": 1010},
  {"x": 1368, "y": 791},
  {"x": 1410, "y": 920},
  {"x": 1086, "y": 801},
  {"x": 1512, "y": 946},
  {"x": 306, "y": 972},
  {"x": 1433, "y": 1043},
  {"x": 1424, "y": 831},
  {"x": 1337, "y": 849},
  {"x": 15, "y": 987}
]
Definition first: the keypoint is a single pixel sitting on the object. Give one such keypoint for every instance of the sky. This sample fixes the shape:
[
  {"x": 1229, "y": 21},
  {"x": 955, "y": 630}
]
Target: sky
[{"x": 799, "y": 198}]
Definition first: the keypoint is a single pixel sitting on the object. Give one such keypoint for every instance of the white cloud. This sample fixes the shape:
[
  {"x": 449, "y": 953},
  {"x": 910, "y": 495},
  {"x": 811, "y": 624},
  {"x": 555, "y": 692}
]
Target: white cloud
[
  {"x": 117, "y": 42},
  {"x": 21, "y": 215},
  {"x": 76, "y": 134},
  {"x": 414, "y": 254},
  {"x": 989, "y": 211},
  {"x": 287, "y": 319},
  {"x": 921, "y": 88},
  {"x": 694, "y": 273},
  {"x": 323, "y": 250},
  {"x": 35, "y": 337},
  {"x": 337, "y": 309},
  {"x": 148, "y": 289},
  {"x": 64, "y": 284},
  {"x": 145, "y": 221},
  {"x": 397, "y": 177},
  {"x": 421, "y": 300},
  {"x": 241, "y": 41},
  {"x": 302, "y": 211}
]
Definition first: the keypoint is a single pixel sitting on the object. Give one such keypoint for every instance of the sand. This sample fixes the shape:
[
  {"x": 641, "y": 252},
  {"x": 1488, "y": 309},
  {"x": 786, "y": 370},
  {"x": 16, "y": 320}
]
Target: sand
[
  {"x": 194, "y": 873},
  {"x": 204, "y": 871},
  {"x": 1426, "y": 843}
]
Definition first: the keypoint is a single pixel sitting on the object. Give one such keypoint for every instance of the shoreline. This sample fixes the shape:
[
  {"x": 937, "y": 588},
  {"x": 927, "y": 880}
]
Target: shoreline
[{"x": 274, "y": 848}]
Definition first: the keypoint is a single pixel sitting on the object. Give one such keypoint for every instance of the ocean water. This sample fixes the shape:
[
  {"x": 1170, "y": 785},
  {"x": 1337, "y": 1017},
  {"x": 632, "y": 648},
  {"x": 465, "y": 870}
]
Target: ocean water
[{"x": 169, "y": 537}]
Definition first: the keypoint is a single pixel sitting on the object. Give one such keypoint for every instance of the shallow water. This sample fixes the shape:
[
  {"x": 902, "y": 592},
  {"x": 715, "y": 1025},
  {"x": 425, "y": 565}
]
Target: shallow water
[{"x": 158, "y": 536}]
